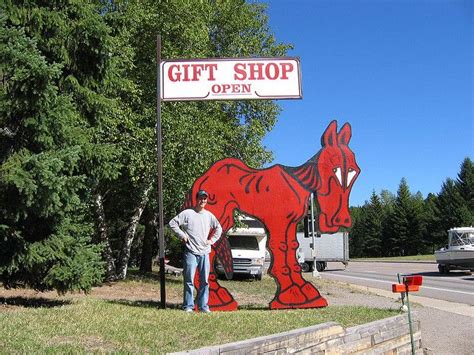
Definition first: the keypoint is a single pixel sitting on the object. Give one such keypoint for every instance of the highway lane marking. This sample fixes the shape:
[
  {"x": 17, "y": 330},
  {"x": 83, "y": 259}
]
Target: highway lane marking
[{"x": 392, "y": 282}]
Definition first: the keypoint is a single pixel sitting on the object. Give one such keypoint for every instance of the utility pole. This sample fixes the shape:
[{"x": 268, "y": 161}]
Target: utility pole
[{"x": 313, "y": 238}]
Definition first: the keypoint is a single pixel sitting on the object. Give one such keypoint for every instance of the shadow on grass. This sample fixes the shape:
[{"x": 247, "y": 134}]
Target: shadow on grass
[
  {"x": 145, "y": 304},
  {"x": 169, "y": 305},
  {"x": 254, "y": 307},
  {"x": 32, "y": 302},
  {"x": 136, "y": 275}
]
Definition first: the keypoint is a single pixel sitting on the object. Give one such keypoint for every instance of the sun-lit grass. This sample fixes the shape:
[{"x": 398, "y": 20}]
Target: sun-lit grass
[
  {"x": 134, "y": 324},
  {"x": 428, "y": 257},
  {"x": 100, "y": 325}
]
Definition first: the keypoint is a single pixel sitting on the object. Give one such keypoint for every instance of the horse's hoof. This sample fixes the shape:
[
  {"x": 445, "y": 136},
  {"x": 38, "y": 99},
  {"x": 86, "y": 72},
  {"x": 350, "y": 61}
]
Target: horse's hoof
[
  {"x": 292, "y": 294},
  {"x": 306, "y": 296},
  {"x": 221, "y": 300},
  {"x": 310, "y": 291},
  {"x": 316, "y": 303}
]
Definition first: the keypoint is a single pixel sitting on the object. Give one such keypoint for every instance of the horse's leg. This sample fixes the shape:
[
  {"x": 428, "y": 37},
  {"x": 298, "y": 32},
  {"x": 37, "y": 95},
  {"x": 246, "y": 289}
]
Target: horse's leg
[{"x": 292, "y": 290}]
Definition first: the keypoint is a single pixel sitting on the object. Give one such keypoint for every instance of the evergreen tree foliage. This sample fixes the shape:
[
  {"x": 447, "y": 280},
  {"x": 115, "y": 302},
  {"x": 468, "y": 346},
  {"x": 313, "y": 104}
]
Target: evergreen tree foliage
[
  {"x": 373, "y": 226},
  {"x": 407, "y": 224},
  {"x": 417, "y": 225},
  {"x": 465, "y": 184},
  {"x": 45, "y": 232},
  {"x": 398, "y": 228},
  {"x": 450, "y": 206},
  {"x": 434, "y": 236},
  {"x": 78, "y": 124},
  {"x": 357, "y": 232}
]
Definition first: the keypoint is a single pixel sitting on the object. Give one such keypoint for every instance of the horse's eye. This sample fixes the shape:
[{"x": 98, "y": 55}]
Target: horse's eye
[
  {"x": 350, "y": 175},
  {"x": 337, "y": 172}
]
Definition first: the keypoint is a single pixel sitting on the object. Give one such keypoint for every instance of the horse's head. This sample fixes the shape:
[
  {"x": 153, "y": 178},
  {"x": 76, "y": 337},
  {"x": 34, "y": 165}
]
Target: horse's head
[{"x": 337, "y": 170}]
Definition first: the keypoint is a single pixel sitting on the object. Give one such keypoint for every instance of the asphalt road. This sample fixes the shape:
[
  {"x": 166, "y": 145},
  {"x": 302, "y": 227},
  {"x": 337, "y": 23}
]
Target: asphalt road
[
  {"x": 444, "y": 304},
  {"x": 457, "y": 286}
]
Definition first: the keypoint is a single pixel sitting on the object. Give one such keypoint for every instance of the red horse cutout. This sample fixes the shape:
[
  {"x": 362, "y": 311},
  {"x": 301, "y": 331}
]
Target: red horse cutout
[{"x": 278, "y": 196}]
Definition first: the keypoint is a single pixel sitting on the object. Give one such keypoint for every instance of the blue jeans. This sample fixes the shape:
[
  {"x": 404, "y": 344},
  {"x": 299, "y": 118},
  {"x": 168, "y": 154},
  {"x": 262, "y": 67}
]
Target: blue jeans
[{"x": 192, "y": 262}]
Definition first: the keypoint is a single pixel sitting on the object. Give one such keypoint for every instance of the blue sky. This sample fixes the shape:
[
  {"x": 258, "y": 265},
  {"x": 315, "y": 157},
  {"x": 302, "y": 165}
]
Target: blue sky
[{"x": 400, "y": 72}]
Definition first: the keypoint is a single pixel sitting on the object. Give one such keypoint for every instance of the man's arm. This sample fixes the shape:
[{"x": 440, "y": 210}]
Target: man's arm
[
  {"x": 174, "y": 225},
  {"x": 216, "y": 226}
]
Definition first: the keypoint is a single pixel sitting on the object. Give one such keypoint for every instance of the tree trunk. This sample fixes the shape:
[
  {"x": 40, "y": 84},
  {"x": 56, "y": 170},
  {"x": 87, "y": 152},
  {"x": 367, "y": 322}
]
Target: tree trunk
[
  {"x": 102, "y": 237},
  {"x": 148, "y": 239},
  {"x": 130, "y": 234}
]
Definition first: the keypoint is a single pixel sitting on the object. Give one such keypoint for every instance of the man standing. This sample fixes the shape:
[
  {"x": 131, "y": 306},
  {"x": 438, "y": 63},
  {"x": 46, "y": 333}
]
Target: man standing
[{"x": 196, "y": 224}]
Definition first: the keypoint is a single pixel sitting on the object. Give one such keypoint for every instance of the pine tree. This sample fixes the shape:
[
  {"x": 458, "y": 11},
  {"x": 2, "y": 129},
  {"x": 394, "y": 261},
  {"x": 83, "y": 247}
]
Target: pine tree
[
  {"x": 434, "y": 237},
  {"x": 387, "y": 200},
  {"x": 398, "y": 230},
  {"x": 451, "y": 206},
  {"x": 357, "y": 232},
  {"x": 465, "y": 185},
  {"x": 44, "y": 232},
  {"x": 373, "y": 227},
  {"x": 417, "y": 225}
]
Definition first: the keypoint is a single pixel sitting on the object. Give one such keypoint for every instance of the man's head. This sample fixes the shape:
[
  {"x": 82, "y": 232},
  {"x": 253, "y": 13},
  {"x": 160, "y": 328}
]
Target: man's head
[{"x": 201, "y": 199}]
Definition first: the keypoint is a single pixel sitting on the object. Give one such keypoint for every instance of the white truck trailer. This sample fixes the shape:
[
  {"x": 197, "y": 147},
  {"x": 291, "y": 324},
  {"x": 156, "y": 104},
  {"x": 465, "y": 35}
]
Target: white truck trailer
[{"x": 328, "y": 247}]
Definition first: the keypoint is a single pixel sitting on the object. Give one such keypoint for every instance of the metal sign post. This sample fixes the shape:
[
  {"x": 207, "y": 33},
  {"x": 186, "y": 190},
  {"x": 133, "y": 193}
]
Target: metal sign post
[
  {"x": 161, "y": 236},
  {"x": 410, "y": 283}
]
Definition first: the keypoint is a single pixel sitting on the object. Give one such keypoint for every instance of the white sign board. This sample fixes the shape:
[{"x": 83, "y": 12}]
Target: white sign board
[{"x": 231, "y": 79}]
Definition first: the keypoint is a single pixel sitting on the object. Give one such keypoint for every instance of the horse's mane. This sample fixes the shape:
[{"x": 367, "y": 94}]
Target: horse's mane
[{"x": 306, "y": 175}]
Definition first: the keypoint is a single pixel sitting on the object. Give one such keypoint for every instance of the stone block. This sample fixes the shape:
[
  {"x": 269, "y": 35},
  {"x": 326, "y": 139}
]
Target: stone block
[
  {"x": 362, "y": 345},
  {"x": 389, "y": 334},
  {"x": 349, "y": 338}
]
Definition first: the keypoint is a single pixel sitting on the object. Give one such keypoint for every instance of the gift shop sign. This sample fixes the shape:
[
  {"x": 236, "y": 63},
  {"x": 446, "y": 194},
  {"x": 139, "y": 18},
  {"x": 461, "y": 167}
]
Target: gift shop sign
[{"x": 231, "y": 79}]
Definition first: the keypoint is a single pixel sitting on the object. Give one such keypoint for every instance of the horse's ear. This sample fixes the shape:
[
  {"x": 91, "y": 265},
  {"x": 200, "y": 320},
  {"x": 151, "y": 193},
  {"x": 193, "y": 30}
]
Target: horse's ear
[
  {"x": 330, "y": 135},
  {"x": 344, "y": 135}
]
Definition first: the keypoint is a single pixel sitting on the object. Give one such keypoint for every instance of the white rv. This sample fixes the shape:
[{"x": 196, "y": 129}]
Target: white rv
[{"x": 248, "y": 246}]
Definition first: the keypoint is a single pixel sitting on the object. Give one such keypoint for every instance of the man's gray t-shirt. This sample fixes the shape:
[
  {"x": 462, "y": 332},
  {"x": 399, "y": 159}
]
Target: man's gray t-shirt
[{"x": 196, "y": 225}]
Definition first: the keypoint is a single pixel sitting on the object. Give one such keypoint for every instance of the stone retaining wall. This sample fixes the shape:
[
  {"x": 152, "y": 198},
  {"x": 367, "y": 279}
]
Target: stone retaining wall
[{"x": 386, "y": 336}]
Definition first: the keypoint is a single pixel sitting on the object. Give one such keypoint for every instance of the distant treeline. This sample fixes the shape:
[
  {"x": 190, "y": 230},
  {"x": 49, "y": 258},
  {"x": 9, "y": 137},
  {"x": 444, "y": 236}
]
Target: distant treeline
[{"x": 407, "y": 223}]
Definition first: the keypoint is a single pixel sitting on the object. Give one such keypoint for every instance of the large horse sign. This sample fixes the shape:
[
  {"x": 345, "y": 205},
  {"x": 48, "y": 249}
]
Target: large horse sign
[
  {"x": 231, "y": 79},
  {"x": 278, "y": 196}
]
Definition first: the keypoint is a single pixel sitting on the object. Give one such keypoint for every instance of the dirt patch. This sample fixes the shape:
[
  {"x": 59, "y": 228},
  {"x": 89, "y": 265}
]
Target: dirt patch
[
  {"x": 16, "y": 299},
  {"x": 90, "y": 343},
  {"x": 8, "y": 308},
  {"x": 143, "y": 291}
]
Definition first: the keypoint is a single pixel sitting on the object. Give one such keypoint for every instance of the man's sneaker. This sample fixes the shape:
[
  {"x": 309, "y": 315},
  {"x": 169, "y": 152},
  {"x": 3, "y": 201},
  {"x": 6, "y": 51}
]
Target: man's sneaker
[
  {"x": 207, "y": 310},
  {"x": 188, "y": 310}
]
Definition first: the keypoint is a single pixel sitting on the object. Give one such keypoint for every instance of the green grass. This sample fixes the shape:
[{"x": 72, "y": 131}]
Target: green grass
[
  {"x": 91, "y": 324},
  {"x": 429, "y": 257}
]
